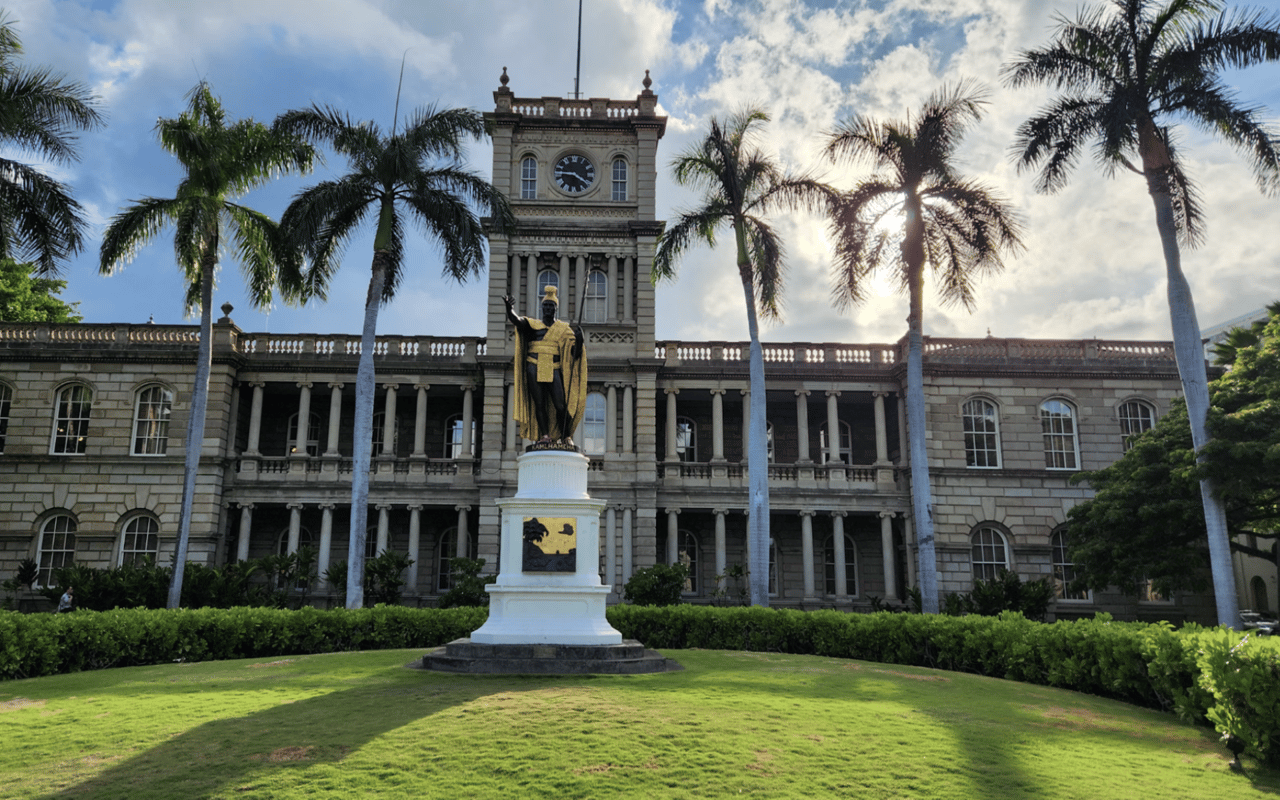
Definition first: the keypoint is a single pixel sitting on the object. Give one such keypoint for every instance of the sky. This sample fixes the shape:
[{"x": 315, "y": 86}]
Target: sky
[{"x": 1092, "y": 265}]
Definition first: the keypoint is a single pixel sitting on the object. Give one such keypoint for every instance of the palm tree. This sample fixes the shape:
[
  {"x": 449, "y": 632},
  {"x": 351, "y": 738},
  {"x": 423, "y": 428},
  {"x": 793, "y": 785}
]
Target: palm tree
[
  {"x": 39, "y": 112},
  {"x": 739, "y": 185},
  {"x": 418, "y": 170},
  {"x": 222, "y": 161},
  {"x": 1121, "y": 74},
  {"x": 916, "y": 211}
]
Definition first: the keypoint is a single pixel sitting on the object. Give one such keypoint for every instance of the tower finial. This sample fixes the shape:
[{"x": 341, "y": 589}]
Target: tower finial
[
  {"x": 647, "y": 82},
  {"x": 504, "y": 80}
]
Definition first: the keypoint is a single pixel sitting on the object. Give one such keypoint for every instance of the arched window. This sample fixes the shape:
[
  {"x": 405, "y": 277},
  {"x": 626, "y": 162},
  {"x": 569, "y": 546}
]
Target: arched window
[
  {"x": 56, "y": 547},
  {"x": 313, "y": 435},
  {"x": 990, "y": 553},
  {"x": 529, "y": 178},
  {"x": 453, "y": 435},
  {"x": 6, "y": 400},
  {"x": 1135, "y": 417},
  {"x": 379, "y": 431},
  {"x": 981, "y": 433},
  {"x": 687, "y": 553},
  {"x": 850, "y": 565},
  {"x": 71, "y": 420},
  {"x": 1064, "y": 572},
  {"x": 139, "y": 539},
  {"x": 593, "y": 424},
  {"x": 1058, "y": 425},
  {"x": 595, "y": 307},
  {"x": 1258, "y": 588},
  {"x": 371, "y": 542},
  {"x": 686, "y": 439},
  {"x": 619, "y": 180},
  {"x": 446, "y": 551},
  {"x": 305, "y": 539},
  {"x": 846, "y": 443},
  {"x": 547, "y": 277},
  {"x": 152, "y": 409}
]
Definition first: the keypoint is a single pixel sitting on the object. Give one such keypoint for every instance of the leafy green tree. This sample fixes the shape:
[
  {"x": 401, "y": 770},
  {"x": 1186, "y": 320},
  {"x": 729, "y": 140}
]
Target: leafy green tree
[
  {"x": 740, "y": 185},
  {"x": 1224, "y": 352},
  {"x": 40, "y": 113},
  {"x": 27, "y": 298},
  {"x": 416, "y": 173},
  {"x": 954, "y": 226},
  {"x": 1146, "y": 520},
  {"x": 222, "y": 160},
  {"x": 1121, "y": 75}
]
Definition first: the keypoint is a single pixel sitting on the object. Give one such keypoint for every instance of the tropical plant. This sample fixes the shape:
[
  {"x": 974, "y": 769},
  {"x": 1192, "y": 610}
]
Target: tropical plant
[
  {"x": 916, "y": 211},
  {"x": 740, "y": 185},
  {"x": 418, "y": 170},
  {"x": 384, "y": 574},
  {"x": 1121, "y": 75},
  {"x": 659, "y": 585},
  {"x": 466, "y": 584},
  {"x": 1226, "y": 351},
  {"x": 39, "y": 115},
  {"x": 222, "y": 160}
]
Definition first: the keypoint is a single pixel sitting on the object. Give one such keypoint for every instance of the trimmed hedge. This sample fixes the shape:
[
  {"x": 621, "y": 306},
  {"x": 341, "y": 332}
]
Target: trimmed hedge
[{"x": 1204, "y": 675}]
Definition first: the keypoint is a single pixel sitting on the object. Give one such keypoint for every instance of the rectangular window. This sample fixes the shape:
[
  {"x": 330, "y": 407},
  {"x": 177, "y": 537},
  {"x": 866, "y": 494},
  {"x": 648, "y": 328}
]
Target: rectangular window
[
  {"x": 151, "y": 422},
  {"x": 529, "y": 179},
  {"x": 619, "y": 180},
  {"x": 1058, "y": 424},
  {"x": 981, "y": 437}
]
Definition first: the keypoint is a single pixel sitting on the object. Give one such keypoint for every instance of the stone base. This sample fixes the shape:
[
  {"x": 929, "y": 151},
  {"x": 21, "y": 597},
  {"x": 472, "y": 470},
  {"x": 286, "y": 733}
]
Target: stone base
[
  {"x": 564, "y": 615},
  {"x": 467, "y": 657}
]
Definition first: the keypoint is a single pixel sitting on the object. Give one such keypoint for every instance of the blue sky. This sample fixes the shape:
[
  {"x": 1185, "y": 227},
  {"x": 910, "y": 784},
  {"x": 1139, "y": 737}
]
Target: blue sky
[{"x": 1092, "y": 267}]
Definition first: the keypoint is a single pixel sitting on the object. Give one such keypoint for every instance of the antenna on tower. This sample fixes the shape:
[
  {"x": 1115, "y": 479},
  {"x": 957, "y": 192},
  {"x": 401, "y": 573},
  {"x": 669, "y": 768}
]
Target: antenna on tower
[{"x": 577, "y": 71}]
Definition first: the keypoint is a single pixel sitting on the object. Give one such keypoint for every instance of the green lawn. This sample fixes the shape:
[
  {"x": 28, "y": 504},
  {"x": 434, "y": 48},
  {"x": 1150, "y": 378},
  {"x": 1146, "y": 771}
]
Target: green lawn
[{"x": 766, "y": 725}]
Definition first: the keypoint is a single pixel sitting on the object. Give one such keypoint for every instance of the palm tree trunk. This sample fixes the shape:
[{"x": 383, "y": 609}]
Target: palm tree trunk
[
  {"x": 921, "y": 489},
  {"x": 1189, "y": 351},
  {"x": 195, "y": 426},
  {"x": 362, "y": 437},
  {"x": 757, "y": 446}
]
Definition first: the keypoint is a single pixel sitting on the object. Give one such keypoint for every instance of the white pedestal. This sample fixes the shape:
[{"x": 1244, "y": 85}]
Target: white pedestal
[{"x": 536, "y": 607}]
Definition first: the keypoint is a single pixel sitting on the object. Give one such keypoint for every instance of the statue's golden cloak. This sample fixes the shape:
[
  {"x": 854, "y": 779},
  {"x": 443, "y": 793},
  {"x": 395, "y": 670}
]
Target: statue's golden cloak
[{"x": 556, "y": 344}]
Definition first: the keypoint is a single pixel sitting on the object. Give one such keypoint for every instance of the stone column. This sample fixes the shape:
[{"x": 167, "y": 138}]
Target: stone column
[
  {"x": 467, "y": 412},
  {"x": 512, "y": 433},
  {"x": 326, "y": 542},
  {"x": 909, "y": 537},
  {"x": 882, "y": 431},
  {"x": 610, "y": 546},
  {"x": 420, "y": 422},
  {"x": 802, "y": 423},
  {"x": 627, "y": 513},
  {"x": 890, "y": 561},
  {"x": 628, "y": 288},
  {"x": 255, "y": 419},
  {"x": 461, "y": 546},
  {"x": 335, "y": 418},
  {"x": 304, "y": 418},
  {"x": 384, "y": 527},
  {"x": 717, "y": 424},
  {"x": 564, "y": 286},
  {"x": 833, "y": 428},
  {"x": 533, "y": 309},
  {"x": 611, "y": 418},
  {"x": 671, "y": 424},
  {"x": 721, "y": 552},
  {"x": 673, "y": 535},
  {"x": 806, "y": 552},
  {"x": 628, "y": 419},
  {"x": 415, "y": 545},
  {"x": 837, "y": 535},
  {"x": 295, "y": 527},
  {"x": 611, "y": 300},
  {"x": 389, "y": 421},
  {"x": 580, "y": 280},
  {"x": 246, "y": 531}
]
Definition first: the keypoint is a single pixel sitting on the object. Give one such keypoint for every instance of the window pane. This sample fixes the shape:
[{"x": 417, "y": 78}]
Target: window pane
[
  {"x": 57, "y": 547},
  {"x": 1064, "y": 572},
  {"x": 686, "y": 440},
  {"x": 528, "y": 179},
  {"x": 981, "y": 439},
  {"x": 140, "y": 541},
  {"x": 453, "y": 437},
  {"x": 1058, "y": 424},
  {"x": 593, "y": 424},
  {"x": 619, "y": 180},
  {"x": 595, "y": 306},
  {"x": 6, "y": 400},
  {"x": 151, "y": 422},
  {"x": 850, "y": 566},
  {"x": 71, "y": 422},
  {"x": 989, "y": 556},
  {"x": 1135, "y": 418}
]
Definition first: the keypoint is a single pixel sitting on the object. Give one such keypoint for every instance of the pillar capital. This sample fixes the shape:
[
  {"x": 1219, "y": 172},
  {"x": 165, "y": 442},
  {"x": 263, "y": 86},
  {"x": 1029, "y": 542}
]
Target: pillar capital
[
  {"x": 671, "y": 390},
  {"x": 384, "y": 507},
  {"x": 304, "y": 384},
  {"x": 414, "y": 507},
  {"x": 887, "y": 514},
  {"x": 258, "y": 384},
  {"x": 246, "y": 506},
  {"x": 805, "y": 512},
  {"x": 717, "y": 392},
  {"x": 880, "y": 394},
  {"x": 840, "y": 514},
  {"x": 802, "y": 392},
  {"x": 295, "y": 506},
  {"x": 422, "y": 387},
  {"x": 336, "y": 384},
  {"x": 720, "y": 512},
  {"x": 833, "y": 392},
  {"x": 390, "y": 387},
  {"x": 672, "y": 510},
  {"x": 462, "y": 508},
  {"x": 328, "y": 506}
]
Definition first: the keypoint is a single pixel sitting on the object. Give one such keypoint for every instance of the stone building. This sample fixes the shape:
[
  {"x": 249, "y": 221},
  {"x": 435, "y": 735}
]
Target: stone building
[{"x": 92, "y": 420}]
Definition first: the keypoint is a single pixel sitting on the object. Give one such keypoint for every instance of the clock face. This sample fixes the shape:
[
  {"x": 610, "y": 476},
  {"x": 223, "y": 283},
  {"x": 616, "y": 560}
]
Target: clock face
[{"x": 575, "y": 174}]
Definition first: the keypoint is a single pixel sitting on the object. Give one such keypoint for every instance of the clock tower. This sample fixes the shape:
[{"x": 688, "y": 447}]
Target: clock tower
[{"x": 580, "y": 176}]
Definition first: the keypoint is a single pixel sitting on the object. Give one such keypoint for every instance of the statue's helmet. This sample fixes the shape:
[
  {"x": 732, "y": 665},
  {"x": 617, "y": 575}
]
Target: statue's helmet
[{"x": 551, "y": 294}]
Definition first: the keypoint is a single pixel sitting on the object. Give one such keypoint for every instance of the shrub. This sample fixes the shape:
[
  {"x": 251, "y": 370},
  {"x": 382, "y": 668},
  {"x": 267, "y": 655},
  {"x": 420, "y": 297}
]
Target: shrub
[
  {"x": 659, "y": 585},
  {"x": 466, "y": 584},
  {"x": 1005, "y": 592},
  {"x": 384, "y": 577}
]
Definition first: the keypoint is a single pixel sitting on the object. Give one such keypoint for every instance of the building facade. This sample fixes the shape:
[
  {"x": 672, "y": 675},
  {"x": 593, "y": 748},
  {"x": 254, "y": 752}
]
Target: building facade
[{"x": 92, "y": 421}]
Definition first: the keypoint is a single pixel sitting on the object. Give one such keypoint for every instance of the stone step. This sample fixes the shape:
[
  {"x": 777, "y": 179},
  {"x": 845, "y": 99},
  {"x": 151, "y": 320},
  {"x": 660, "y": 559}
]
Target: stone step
[{"x": 465, "y": 657}]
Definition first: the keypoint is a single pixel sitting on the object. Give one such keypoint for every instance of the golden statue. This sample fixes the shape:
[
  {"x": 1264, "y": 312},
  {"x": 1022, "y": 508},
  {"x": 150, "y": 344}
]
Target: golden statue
[{"x": 550, "y": 375}]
